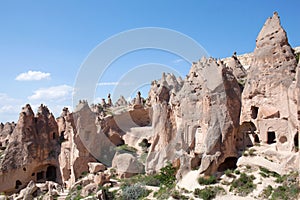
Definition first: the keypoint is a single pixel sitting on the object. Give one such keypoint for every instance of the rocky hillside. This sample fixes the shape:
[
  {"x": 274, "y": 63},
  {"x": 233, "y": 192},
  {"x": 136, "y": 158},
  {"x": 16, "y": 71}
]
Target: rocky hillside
[{"x": 233, "y": 129}]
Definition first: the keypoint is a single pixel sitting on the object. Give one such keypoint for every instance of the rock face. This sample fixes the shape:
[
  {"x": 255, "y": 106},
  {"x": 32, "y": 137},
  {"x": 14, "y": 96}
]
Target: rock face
[
  {"x": 269, "y": 103},
  {"x": 5, "y": 133},
  {"x": 32, "y": 151},
  {"x": 82, "y": 143},
  {"x": 196, "y": 125},
  {"x": 238, "y": 69}
]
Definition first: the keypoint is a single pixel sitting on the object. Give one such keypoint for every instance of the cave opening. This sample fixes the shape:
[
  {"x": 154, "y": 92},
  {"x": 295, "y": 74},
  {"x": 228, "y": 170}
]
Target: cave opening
[
  {"x": 18, "y": 184},
  {"x": 271, "y": 137},
  {"x": 51, "y": 173},
  {"x": 296, "y": 141},
  {"x": 40, "y": 175},
  {"x": 256, "y": 138},
  {"x": 229, "y": 163},
  {"x": 254, "y": 112}
]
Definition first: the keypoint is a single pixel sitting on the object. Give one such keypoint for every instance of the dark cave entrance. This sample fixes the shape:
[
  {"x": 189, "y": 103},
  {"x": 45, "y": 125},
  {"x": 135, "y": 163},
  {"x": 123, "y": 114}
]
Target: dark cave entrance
[
  {"x": 256, "y": 138},
  {"x": 229, "y": 163},
  {"x": 51, "y": 173},
  {"x": 254, "y": 112},
  {"x": 296, "y": 141},
  {"x": 39, "y": 176},
  {"x": 271, "y": 137},
  {"x": 18, "y": 184}
]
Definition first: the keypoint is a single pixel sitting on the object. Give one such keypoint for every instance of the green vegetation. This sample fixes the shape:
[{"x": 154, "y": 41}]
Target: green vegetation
[
  {"x": 243, "y": 185},
  {"x": 209, "y": 192},
  {"x": 229, "y": 173},
  {"x": 264, "y": 172},
  {"x": 289, "y": 188},
  {"x": 297, "y": 57},
  {"x": 266, "y": 192},
  {"x": 207, "y": 180},
  {"x": 177, "y": 195},
  {"x": 126, "y": 149},
  {"x": 167, "y": 180},
  {"x": 166, "y": 175},
  {"x": 251, "y": 152},
  {"x": 134, "y": 192}
]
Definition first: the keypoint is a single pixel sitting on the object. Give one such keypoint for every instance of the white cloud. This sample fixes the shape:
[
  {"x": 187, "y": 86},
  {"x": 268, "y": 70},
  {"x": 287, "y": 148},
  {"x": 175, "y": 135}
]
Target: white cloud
[
  {"x": 60, "y": 93},
  {"x": 33, "y": 76}
]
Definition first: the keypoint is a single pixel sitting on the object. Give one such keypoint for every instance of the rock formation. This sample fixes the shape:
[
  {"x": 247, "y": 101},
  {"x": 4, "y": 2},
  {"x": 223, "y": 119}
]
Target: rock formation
[
  {"x": 199, "y": 122},
  {"x": 269, "y": 103},
  {"x": 32, "y": 151},
  {"x": 203, "y": 122}
]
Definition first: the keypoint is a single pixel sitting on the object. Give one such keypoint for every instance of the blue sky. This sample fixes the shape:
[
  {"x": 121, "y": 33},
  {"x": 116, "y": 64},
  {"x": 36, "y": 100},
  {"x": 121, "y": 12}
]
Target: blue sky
[{"x": 55, "y": 37}]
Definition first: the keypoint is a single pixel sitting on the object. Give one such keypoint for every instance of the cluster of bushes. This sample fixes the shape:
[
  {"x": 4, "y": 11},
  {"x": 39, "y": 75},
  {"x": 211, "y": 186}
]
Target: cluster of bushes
[
  {"x": 243, "y": 185},
  {"x": 134, "y": 192},
  {"x": 264, "y": 172},
  {"x": 209, "y": 192},
  {"x": 288, "y": 190},
  {"x": 250, "y": 152},
  {"x": 134, "y": 187},
  {"x": 207, "y": 180}
]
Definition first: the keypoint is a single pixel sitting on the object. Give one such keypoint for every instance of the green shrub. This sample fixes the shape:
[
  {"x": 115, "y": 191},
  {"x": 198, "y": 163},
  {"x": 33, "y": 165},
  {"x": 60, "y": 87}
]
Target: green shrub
[
  {"x": 289, "y": 188},
  {"x": 228, "y": 173},
  {"x": 266, "y": 192},
  {"x": 237, "y": 172},
  {"x": 263, "y": 174},
  {"x": 176, "y": 195},
  {"x": 251, "y": 152},
  {"x": 79, "y": 187},
  {"x": 245, "y": 154},
  {"x": 208, "y": 192},
  {"x": 207, "y": 180},
  {"x": 151, "y": 180},
  {"x": 134, "y": 192},
  {"x": 126, "y": 149},
  {"x": 243, "y": 185},
  {"x": 166, "y": 175},
  {"x": 268, "y": 172}
]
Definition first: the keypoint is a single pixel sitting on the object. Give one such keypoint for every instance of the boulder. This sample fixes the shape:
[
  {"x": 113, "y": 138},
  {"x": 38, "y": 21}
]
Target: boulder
[
  {"x": 95, "y": 167},
  {"x": 127, "y": 165}
]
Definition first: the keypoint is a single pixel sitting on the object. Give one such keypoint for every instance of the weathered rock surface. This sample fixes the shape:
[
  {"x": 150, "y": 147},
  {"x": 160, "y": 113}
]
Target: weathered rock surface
[
  {"x": 95, "y": 167},
  {"x": 5, "y": 133},
  {"x": 201, "y": 119},
  {"x": 269, "y": 102},
  {"x": 83, "y": 143},
  {"x": 127, "y": 165},
  {"x": 32, "y": 151}
]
